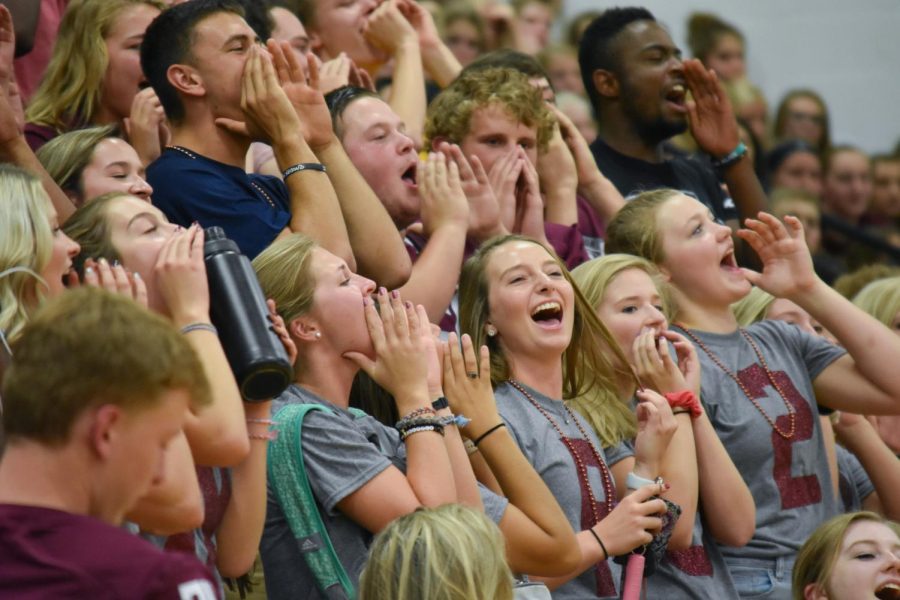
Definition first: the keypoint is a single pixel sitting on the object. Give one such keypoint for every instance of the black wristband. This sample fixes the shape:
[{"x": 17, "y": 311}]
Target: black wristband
[
  {"x": 477, "y": 440},
  {"x": 599, "y": 541},
  {"x": 440, "y": 403},
  {"x": 303, "y": 167}
]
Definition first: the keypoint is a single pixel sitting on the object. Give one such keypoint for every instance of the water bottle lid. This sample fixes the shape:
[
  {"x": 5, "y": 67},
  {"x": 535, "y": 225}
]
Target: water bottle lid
[{"x": 215, "y": 242}]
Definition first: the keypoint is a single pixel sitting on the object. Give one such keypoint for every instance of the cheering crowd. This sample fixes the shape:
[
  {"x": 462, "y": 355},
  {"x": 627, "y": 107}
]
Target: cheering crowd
[{"x": 574, "y": 319}]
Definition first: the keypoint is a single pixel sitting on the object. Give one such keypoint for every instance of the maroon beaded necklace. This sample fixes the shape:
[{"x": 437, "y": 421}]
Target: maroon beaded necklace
[
  {"x": 608, "y": 489},
  {"x": 765, "y": 366}
]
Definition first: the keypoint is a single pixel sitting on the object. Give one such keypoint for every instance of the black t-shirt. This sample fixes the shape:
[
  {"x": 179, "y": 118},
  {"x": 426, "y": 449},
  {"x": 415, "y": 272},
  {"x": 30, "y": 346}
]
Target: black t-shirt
[{"x": 632, "y": 176}]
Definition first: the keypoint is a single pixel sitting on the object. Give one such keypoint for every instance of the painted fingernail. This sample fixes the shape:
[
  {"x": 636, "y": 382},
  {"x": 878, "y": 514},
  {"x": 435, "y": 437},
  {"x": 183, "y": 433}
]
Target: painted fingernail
[
  {"x": 382, "y": 291},
  {"x": 116, "y": 263},
  {"x": 668, "y": 486},
  {"x": 136, "y": 275},
  {"x": 365, "y": 301},
  {"x": 408, "y": 305},
  {"x": 103, "y": 261},
  {"x": 88, "y": 270},
  {"x": 395, "y": 294}
]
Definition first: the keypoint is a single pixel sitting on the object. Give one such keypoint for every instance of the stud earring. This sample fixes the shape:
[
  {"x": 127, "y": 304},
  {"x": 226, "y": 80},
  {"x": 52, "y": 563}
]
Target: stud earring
[
  {"x": 318, "y": 335},
  {"x": 491, "y": 331}
]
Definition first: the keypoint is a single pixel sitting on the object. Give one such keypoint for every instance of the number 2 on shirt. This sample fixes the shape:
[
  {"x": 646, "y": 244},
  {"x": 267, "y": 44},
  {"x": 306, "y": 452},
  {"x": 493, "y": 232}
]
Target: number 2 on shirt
[{"x": 803, "y": 489}]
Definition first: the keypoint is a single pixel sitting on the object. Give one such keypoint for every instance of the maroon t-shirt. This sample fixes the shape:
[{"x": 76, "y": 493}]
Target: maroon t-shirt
[{"x": 46, "y": 553}]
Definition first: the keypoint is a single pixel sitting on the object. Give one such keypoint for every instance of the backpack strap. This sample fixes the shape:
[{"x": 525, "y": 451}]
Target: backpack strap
[{"x": 287, "y": 476}]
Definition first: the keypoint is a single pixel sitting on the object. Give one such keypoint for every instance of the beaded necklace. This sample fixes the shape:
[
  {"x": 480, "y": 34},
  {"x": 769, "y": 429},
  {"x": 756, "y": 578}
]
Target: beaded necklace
[
  {"x": 608, "y": 489},
  {"x": 765, "y": 366},
  {"x": 256, "y": 187}
]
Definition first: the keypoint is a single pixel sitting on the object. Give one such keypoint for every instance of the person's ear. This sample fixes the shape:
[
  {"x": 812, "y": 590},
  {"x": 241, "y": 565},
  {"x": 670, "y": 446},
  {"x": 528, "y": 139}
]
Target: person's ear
[
  {"x": 186, "y": 80},
  {"x": 606, "y": 83},
  {"x": 315, "y": 43},
  {"x": 104, "y": 430},
  {"x": 666, "y": 274},
  {"x": 814, "y": 591},
  {"x": 305, "y": 329}
]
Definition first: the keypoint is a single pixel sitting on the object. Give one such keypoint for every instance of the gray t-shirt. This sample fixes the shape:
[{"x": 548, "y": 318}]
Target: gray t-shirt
[
  {"x": 551, "y": 458},
  {"x": 854, "y": 484},
  {"x": 788, "y": 478},
  {"x": 341, "y": 454}
]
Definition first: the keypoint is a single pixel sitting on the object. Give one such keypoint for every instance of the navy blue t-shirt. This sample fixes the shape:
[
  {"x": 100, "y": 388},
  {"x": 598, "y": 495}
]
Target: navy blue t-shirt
[{"x": 188, "y": 187}]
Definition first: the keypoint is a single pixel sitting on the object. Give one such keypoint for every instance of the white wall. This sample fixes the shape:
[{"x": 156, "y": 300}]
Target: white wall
[{"x": 848, "y": 51}]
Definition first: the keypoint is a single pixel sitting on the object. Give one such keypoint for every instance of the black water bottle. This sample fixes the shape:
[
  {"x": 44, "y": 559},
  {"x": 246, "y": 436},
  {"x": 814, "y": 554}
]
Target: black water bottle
[{"x": 238, "y": 310}]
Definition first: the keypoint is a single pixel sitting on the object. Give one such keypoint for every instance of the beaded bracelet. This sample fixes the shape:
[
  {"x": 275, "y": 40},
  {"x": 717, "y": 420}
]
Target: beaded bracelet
[
  {"x": 425, "y": 410},
  {"x": 268, "y": 436},
  {"x": 732, "y": 157},
  {"x": 405, "y": 434},
  {"x": 471, "y": 448},
  {"x": 406, "y": 425},
  {"x": 199, "y": 326}
]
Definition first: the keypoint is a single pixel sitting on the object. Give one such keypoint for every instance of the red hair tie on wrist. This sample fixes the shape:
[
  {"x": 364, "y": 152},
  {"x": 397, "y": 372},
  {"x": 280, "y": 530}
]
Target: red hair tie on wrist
[{"x": 685, "y": 399}]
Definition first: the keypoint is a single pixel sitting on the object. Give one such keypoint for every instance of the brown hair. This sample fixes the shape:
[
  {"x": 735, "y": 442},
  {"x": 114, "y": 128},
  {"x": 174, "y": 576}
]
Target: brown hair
[
  {"x": 89, "y": 227},
  {"x": 705, "y": 30},
  {"x": 817, "y": 556},
  {"x": 782, "y": 113},
  {"x": 592, "y": 363},
  {"x": 60, "y": 369},
  {"x": 450, "y": 114}
]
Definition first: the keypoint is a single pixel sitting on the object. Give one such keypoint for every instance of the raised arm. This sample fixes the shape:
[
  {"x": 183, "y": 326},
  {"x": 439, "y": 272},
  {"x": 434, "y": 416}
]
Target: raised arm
[
  {"x": 538, "y": 536},
  {"x": 389, "y": 29},
  {"x": 714, "y": 126},
  {"x": 865, "y": 380},
  {"x": 444, "y": 218},
  {"x": 281, "y": 108},
  {"x": 881, "y": 465},
  {"x": 438, "y": 60},
  {"x": 217, "y": 433},
  {"x": 400, "y": 367},
  {"x": 14, "y": 148}
]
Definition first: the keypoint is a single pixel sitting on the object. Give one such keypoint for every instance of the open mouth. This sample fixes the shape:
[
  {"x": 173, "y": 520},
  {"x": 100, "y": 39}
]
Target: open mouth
[
  {"x": 409, "y": 176},
  {"x": 676, "y": 97},
  {"x": 888, "y": 591},
  {"x": 729, "y": 261},
  {"x": 547, "y": 314}
]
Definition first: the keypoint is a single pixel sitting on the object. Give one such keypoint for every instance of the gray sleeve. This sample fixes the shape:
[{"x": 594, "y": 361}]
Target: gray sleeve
[
  {"x": 494, "y": 505},
  {"x": 338, "y": 458},
  {"x": 817, "y": 352},
  {"x": 852, "y": 469},
  {"x": 618, "y": 453}
]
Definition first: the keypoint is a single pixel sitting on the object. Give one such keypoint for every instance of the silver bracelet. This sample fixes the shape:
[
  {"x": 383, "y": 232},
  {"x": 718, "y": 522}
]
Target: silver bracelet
[{"x": 199, "y": 326}]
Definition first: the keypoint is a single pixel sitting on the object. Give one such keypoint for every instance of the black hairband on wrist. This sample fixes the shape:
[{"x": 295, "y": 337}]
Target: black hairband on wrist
[{"x": 303, "y": 167}]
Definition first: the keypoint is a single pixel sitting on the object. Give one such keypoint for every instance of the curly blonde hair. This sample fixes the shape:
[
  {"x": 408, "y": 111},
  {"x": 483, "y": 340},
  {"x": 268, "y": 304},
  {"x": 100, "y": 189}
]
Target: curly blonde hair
[{"x": 450, "y": 114}]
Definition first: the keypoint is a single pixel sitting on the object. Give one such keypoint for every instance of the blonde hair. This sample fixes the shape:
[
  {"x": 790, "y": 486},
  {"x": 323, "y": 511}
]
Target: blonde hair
[
  {"x": 26, "y": 243},
  {"x": 66, "y": 156},
  {"x": 634, "y": 231},
  {"x": 849, "y": 285},
  {"x": 817, "y": 556},
  {"x": 284, "y": 270},
  {"x": 593, "y": 362},
  {"x": 71, "y": 89},
  {"x": 881, "y": 299},
  {"x": 753, "y": 307},
  {"x": 447, "y": 553},
  {"x": 612, "y": 419}
]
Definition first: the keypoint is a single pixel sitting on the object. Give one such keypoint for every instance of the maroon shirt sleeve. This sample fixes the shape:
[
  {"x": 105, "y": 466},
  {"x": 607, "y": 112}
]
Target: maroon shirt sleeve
[{"x": 566, "y": 240}]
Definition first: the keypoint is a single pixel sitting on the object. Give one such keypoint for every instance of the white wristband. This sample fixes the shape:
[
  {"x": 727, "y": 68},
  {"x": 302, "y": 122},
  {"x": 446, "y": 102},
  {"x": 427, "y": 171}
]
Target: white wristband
[{"x": 633, "y": 482}]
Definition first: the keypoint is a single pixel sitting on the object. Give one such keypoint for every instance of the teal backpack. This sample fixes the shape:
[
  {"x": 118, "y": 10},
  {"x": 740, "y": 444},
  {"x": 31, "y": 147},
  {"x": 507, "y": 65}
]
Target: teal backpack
[{"x": 287, "y": 476}]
